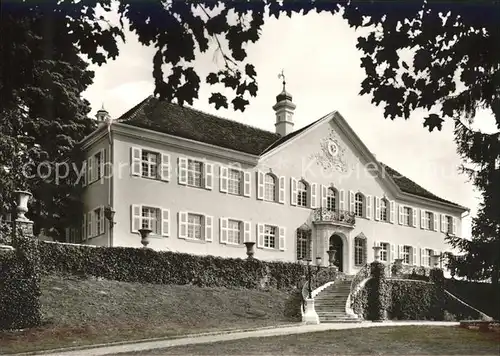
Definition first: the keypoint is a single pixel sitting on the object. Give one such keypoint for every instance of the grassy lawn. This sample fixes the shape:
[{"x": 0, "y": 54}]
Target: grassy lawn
[
  {"x": 82, "y": 311},
  {"x": 402, "y": 340}
]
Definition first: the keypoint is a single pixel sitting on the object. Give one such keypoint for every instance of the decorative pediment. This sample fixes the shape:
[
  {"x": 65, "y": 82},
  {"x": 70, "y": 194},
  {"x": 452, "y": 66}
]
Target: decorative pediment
[
  {"x": 332, "y": 154},
  {"x": 361, "y": 236},
  {"x": 304, "y": 227}
]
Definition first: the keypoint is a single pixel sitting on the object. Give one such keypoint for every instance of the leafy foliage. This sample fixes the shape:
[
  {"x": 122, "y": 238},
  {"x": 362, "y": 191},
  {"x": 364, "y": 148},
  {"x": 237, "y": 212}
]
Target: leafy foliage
[
  {"x": 20, "y": 287},
  {"x": 149, "y": 266},
  {"x": 415, "y": 300}
]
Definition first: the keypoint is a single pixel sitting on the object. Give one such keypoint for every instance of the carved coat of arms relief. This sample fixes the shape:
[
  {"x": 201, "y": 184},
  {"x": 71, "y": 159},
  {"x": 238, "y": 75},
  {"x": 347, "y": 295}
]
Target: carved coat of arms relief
[{"x": 332, "y": 154}]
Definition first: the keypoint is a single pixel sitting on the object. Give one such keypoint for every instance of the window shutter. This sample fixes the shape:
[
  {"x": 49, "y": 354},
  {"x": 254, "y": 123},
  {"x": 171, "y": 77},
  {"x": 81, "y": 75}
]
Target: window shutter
[
  {"x": 247, "y": 184},
  {"x": 293, "y": 191},
  {"x": 422, "y": 219},
  {"x": 314, "y": 195},
  {"x": 182, "y": 165},
  {"x": 260, "y": 185},
  {"x": 414, "y": 259},
  {"x": 400, "y": 254},
  {"x": 208, "y": 228},
  {"x": 392, "y": 212},
  {"x": 260, "y": 235},
  {"x": 324, "y": 192},
  {"x": 103, "y": 222},
  {"x": 84, "y": 226},
  {"x": 282, "y": 235},
  {"x": 369, "y": 207},
  {"x": 90, "y": 170},
  {"x": 443, "y": 223},
  {"x": 183, "y": 219},
  {"x": 224, "y": 172},
  {"x": 401, "y": 210},
  {"x": 454, "y": 226},
  {"x": 165, "y": 222},
  {"x": 342, "y": 199},
  {"x": 352, "y": 205},
  {"x": 393, "y": 252},
  {"x": 135, "y": 161},
  {"x": 84, "y": 173},
  {"x": 436, "y": 221},
  {"x": 165, "y": 167},
  {"x": 89, "y": 225},
  {"x": 247, "y": 231},
  {"x": 282, "y": 190},
  {"x": 135, "y": 217},
  {"x": 422, "y": 262},
  {"x": 223, "y": 223},
  {"x": 414, "y": 216},
  {"x": 209, "y": 175}
]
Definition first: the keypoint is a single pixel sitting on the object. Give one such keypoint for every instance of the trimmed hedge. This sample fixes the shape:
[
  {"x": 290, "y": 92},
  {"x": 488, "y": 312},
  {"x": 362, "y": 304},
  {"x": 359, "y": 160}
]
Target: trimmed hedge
[
  {"x": 164, "y": 267},
  {"x": 415, "y": 300},
  {"x": 20, "y": 286}
]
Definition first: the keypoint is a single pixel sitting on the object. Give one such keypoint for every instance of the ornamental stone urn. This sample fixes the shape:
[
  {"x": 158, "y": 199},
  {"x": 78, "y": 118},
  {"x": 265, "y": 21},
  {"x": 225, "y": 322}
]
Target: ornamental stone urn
[
  {"x": 376, "y": 253},
  {"x": 250, "y": 250},
  {"x": 331, "y": 257},
  {"x": 22, "y": 204},
  {"x": 145, "y": 236}
]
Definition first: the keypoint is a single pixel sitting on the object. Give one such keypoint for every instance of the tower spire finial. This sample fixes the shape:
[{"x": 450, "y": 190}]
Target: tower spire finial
[{"x": 282, "y": 76}]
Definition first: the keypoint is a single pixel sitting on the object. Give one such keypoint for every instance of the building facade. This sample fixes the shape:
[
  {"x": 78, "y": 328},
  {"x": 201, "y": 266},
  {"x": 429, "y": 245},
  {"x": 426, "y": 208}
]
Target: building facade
[{"x": 205, "y": 185}]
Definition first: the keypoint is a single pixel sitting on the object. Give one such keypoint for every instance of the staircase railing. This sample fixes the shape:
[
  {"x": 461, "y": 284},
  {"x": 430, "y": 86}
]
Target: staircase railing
[
  {"x": 324, "y": 276},
  {"x": 356, "y": 285},
  {"x": 481, "y": 314}
]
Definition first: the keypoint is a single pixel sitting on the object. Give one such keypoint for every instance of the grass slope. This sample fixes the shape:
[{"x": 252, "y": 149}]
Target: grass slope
[
  {"x": 82, "y": 311},
  {"x": 401, "y": 340}
]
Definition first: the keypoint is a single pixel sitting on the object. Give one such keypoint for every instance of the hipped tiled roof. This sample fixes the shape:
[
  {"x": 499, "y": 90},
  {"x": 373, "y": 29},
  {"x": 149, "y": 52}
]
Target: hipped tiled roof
[{"x": 189, "y": 123}]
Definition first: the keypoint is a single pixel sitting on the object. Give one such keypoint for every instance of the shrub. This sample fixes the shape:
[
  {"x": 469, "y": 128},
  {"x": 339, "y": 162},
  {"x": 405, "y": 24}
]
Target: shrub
[
  {"x": 377, "y": 291},
  {"x": 142, "y": 265},
  {"x": 414, "y": 300},
  {"x": 20, "y": 286},
  {"x": 293, "y": 305}
]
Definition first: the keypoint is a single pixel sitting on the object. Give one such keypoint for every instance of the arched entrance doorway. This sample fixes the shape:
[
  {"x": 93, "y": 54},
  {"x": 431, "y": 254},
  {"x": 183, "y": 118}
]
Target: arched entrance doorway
[{"x": 336, "y": 244}]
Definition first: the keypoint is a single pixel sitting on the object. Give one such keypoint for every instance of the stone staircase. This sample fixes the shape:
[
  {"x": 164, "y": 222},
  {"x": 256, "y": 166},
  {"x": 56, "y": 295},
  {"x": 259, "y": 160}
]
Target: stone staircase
[{"x": 330, "y": 303}]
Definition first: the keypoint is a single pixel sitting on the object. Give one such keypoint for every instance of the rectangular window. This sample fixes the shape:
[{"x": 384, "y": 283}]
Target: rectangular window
[
  {"x": 407, "y": 216},
  {"x": 359, "y": 251},
  {"x": 234, "y": 181},
  {"x": 149, "y": 162},
  {"x": 406, "y": 254},
  {"x": 270, "y": 236},
  {"x": 429, "y": 220},
  {"x": 99, "y": 220},
  {"x": 150, "y": 219},
  {"x": 448, "y": 224},
  {"x": 303, "y": 244},
  {"x": 195, "y": 226},
  {"x": 194, "y": 173},
  {"x": 234, "y": 232},
  {"x": 384, "y": 252},
  {"x": 98, "y": 162},
  {"x": 269, "y": 187},
  {"x": 426, "y": 257}
]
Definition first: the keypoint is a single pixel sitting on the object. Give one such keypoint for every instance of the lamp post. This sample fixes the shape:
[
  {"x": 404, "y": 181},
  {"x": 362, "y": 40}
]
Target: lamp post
[
  {"x": 109, "y": 214},
  {"x": 309, "y": 273}
]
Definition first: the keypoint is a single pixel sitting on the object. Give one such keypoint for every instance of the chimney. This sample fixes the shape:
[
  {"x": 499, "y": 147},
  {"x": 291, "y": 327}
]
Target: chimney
[{"x": 284, "y": 109}]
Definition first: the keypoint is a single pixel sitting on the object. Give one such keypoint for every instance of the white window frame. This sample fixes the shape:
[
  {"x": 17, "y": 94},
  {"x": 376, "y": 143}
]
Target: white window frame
[
  {"x": 407, "y": 215},
  {"x": 95, "y": 167},
  {"x": 201, "y": 226},
  {"x": 162, "y": 163},
  {"x": 148, "y": 163},
  {"x": 268, "y": 237},
  {"x": 426, "y": 254},
  {"x": 359, "y": 205},
  {"x": 331, "y": 199},
  {"x": 191, "y": 174},
  {"x": 429, "y": 220},
  {"x": 385, "y": 248},
  {"x": 302, "y": 194},
  {"x": 235, "y": 185},
  {"x": 270, "y": 187},
  {"x": 303, "y": 244},
  {"x": 149, "y": 219},
  {"x": 363, "y": 248},
  {"x": 384, "y": 210},
  {"x": 231, "y": 231},
  {"x": 408, "y": 254}
]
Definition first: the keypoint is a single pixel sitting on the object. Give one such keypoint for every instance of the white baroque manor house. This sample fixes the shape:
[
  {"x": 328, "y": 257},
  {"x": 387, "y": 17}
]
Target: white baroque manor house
[{"x": 206, "y": 185}]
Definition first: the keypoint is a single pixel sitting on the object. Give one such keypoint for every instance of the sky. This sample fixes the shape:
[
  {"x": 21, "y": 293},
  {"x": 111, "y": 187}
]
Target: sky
[{"x": 322, "y": 67}]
